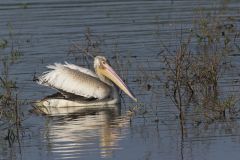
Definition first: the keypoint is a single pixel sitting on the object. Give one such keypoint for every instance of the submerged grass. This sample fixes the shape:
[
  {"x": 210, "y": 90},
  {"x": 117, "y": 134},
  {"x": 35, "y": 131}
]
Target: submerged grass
[
  {"x": 84, "y": 51},
  {"x": 200, "y": 61},
  {"x": 10, "y": 114}
]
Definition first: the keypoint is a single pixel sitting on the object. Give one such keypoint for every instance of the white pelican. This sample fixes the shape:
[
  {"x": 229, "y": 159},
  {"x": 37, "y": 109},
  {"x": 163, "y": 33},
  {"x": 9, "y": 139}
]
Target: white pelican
[{"x": 81, "y": 86}]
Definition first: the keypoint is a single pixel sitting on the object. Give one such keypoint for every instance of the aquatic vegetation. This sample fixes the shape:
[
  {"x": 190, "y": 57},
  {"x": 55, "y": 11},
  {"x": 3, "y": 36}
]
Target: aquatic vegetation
[
  {"x": 10, "y": 113},
  {"x": 86, "y": 49},
  {"x": 24, "y": 5},
  {"x": 200, "y": 61},
  {"x": 3, "y": 43}
]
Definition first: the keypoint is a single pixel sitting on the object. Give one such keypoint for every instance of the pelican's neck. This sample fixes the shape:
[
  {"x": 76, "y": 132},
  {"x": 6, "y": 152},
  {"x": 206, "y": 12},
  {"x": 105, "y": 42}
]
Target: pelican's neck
[{"x": 115, "y": 94}]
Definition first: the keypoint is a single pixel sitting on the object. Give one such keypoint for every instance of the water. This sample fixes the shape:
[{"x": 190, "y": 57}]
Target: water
[{"x": 44, "y": 32}]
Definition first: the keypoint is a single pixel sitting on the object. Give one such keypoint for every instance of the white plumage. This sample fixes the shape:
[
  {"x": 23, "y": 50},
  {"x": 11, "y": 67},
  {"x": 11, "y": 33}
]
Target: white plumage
[{"x": 76, "y": 80}]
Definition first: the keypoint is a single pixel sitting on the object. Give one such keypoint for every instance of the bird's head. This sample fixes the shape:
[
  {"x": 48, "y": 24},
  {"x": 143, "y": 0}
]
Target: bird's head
[{"x": 106, "y": 74}]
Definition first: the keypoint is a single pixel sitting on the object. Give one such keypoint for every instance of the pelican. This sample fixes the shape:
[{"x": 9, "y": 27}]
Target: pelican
[{"x": 82, "y": 87}]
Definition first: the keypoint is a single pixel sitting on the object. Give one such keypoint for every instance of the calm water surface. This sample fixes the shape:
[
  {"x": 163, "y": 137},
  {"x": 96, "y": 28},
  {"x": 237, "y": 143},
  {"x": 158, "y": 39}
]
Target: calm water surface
[{"x": 44, "y": 31}]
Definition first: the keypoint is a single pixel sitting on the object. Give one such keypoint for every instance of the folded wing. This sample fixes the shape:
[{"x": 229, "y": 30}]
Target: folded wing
[{"x": 76, "y": 80}]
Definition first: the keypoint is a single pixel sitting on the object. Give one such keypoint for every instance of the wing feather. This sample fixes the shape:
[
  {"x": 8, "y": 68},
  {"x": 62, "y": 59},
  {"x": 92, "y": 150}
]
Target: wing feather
[
  {"x": 76, "y": 80},
  {"x": 81, "y": 69}
]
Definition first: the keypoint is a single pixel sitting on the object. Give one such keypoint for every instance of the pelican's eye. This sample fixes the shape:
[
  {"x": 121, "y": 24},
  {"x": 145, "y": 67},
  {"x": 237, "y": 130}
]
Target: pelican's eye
[{"x": 102, "y": 63}]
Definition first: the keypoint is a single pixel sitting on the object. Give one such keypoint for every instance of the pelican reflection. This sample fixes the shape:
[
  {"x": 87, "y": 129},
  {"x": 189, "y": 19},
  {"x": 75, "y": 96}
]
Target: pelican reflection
[{"x": 75, "y": 131}]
